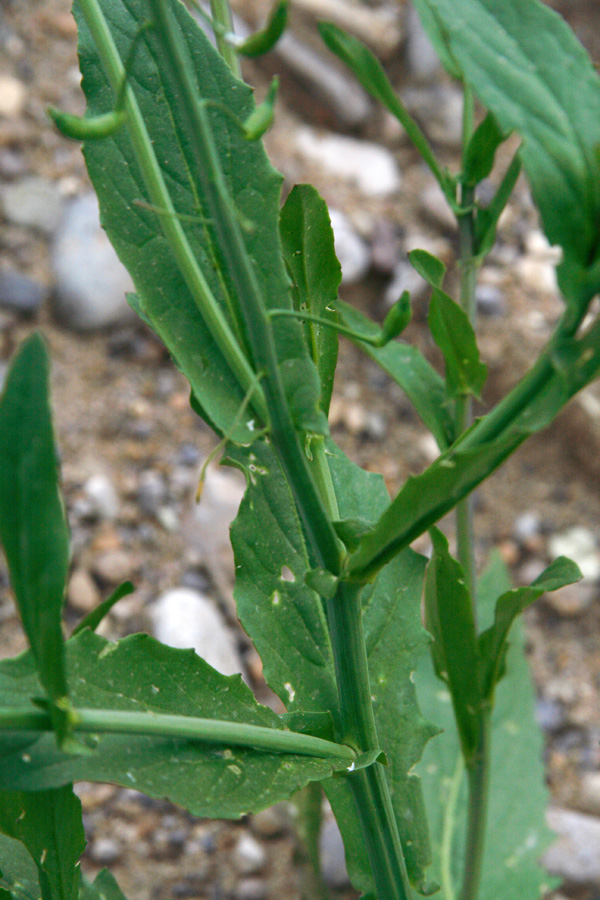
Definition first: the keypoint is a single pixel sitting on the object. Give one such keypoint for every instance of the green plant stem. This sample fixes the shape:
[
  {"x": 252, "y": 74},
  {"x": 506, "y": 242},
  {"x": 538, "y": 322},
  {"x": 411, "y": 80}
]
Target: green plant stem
[
  {"x": 159, "y": 195},
  {"x": 369, "y": 786},
  {"x": 478, "y": 775},
  {"x": 221, "y": 14},
  {"x": 213, "y": 731},
  {"x": 205, "y": 157}
]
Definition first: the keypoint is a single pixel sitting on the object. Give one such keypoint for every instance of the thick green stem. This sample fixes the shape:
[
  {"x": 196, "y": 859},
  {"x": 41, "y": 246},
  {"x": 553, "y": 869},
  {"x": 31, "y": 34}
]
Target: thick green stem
[
  {"x": 206, "y": 162},
  {"x": 478, "y": 775},
  {"x": 221, "y": 14},
  {"x": 213, "y": 731},
  {"x": 369, "y": 786}
]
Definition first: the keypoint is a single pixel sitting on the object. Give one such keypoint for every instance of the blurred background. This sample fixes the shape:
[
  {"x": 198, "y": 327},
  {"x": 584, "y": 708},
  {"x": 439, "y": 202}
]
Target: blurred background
[{"x": 131, "y": 447}]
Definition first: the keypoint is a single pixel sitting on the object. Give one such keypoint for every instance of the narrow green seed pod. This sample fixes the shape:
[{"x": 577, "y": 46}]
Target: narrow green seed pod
[
  {"x": 264, "y": 40},
  {"x": 260, "y": 120},
  {"x": 82, "y": 129}
]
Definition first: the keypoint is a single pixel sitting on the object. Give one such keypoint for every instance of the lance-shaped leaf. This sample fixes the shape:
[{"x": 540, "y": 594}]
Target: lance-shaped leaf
[
  {"x": 453, "y": 333},
  {"x": 529, "y": 70},
  {"x": 428, "y": 266},
  {"x": 49, "y": 825},
  {"x": 481, "y": 150},
  {"x": 409, "y": 369},
  {"x": 450, "y": 621},
  {"x": 140, "y": 675},
  {"x": 308, "y": 248},
  {"x": 369, "y": 71},
  {"x": 33, "y": 526},
  {"x": 287, "y": 624},
  {"x": 516, "y": 833},
  {"x": 493, "y": 643},
  {"x": 155, "y": 204}
]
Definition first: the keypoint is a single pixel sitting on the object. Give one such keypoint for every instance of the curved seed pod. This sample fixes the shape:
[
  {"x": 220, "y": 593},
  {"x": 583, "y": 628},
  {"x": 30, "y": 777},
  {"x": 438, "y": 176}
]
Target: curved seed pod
[
  {"x": 264, "y": 40},
  {"x": 259, "y": 121},
  {"x": 79, "y": 128}
]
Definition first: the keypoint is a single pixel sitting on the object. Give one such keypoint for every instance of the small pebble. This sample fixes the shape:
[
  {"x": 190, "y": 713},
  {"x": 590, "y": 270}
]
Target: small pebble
[
  {"x": 550, "y": 715},
  {"x": 423, "y": 62},
  {"x": 490, "y": 300},
  {"x": 82, "y": 593},
  {"x": 91, "y": 282},
  {"x": 372, "y": 168},
  {"x": 405, "y": 278},
  {"x": 435, "y": 208},
  {"x": 527, "y": 526},
  {"x": 572, "y": 600},
  {"x": 12, "y": 97},
  {"x": 185, "y": 618},
  {"x": 249, "y": 857},
  {"x": 271, "y": 822},
  {"x": 152, "y": 492},
  {"x": 575, "y": 856},
  {"x": 353, "y": 253},
  {"x": 20, "y": 294},
  {"x": 113, "y": 566},
  {"x": 104, "y": 851},
  {"x": 102, "y": 496},
  {"x": 32, "y": 202},
  {"x": 589, "y": 792},
  {"x": 251, "y": 889}
]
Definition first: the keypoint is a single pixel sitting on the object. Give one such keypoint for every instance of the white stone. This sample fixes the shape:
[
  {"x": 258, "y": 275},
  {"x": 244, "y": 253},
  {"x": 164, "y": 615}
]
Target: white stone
[
  {"x": 370, "y": 167},
  {"x": 353, "y": 253},
  {"x": 249, "y": 856},
  {"x": 32, "y": 202},
  {"x": 576, "y": 854},
  {"x": 102, "y": 496},
  {"x": 333, "y": 857},
  {"x": 12, "y": 97},
  {"x": 405, "y": 278},
  {"x": 578, "y": 544},
  {"x": 423, "y": 61},
  {"x": 184, "y": 618},
  {"x": 91, "y": 282}
]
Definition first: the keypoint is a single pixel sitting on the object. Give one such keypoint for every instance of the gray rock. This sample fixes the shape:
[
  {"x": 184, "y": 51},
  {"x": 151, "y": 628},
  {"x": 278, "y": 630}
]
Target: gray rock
[
  {"x": 353, "y": 253},
  {"x": 102, "y": 496},
  {"x": 576, "y": 854},
  {"x": 19, "y": 293},
  {"x": 186, "y": 618},
  {"x": 271, "y": 822},
  {"x": 91, "y": 283},
  {"x": 550, "y": 714},
  {"x": 249, "y": 856},
  {"x": 423, "y": 62},
  {"x": 490, "y": 300},
  {"x": 251, "y": 889},
  {"x": 113, "y": 566},
  {"x": 32, "y": 202},
  {"x": 152, "y": 492},
  {"x": 435, "y": 208},
  {"x": 371, "y": 168},
  {"x": 333, "y": 858},
  {"x": 527, "y": 526},
  {"x": 572, "y": 600},
  {"x": 440, "y": 105},
  {"x": 104, "y": 851}
]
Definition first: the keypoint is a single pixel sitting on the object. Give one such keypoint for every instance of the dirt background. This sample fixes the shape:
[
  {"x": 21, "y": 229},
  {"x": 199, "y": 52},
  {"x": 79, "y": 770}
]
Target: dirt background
[{"x": 121, "y": 409}]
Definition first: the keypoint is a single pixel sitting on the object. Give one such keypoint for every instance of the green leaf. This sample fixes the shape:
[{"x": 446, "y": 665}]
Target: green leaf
[
  {"x": 530, "y": 71},
  {"x": 453, "y": 333},
  {"x": 92, "y": 619},
  {"x": 428, "y": 266},
  {"x": 517, "y": 835},
  {"x": 103, "y": 887},
  {"x": 493, "y": 643},
  {"x": 49, "y": 825},
  {"x": 286, "y": 622},
  {"x": 369, "y": 72},
  {"x": 308, "y": 248},
  {"x": 409, "y": 369},
  {"x": 140, "y": 674},
  {"x": 18, "y": 872},
  {"x": 481, "y": 150},
  {"x": 33, "y": 525},
  {"x": 449, "y": 619},
  {"x": 188, "y": 293}
]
